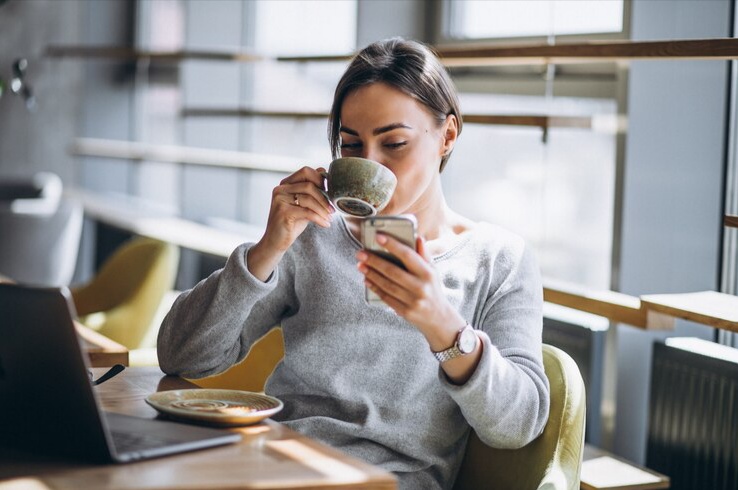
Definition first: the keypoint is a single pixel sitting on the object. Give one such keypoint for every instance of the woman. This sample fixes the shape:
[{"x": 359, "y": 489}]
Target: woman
[{"x": 460, "y": 345}]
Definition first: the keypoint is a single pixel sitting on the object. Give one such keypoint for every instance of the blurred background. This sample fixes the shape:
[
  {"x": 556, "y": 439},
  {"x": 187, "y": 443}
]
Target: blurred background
[{"x": 145, "y": 102}]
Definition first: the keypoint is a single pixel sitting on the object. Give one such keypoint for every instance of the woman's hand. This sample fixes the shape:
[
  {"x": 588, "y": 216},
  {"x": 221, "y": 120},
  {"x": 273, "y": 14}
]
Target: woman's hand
[
  {"x": 296, "y": 202},
  {"x": 417, "y": 295}
]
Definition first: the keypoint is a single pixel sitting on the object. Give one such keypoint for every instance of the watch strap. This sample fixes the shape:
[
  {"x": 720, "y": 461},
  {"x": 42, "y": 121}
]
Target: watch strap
[
  {"x": 452, "y": 352},
  {"x": 448, "y": 354}
]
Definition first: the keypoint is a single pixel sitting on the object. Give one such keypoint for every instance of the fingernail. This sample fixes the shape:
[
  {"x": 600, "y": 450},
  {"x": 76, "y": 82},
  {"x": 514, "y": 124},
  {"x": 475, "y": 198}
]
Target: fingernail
[
  {"x": 361, "y": 256},
  {"x": 381, "y": 239}
]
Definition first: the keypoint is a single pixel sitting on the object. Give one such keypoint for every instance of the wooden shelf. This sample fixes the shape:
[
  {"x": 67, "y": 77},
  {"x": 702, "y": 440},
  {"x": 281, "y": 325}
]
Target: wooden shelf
[
  {"x": 596, "y": 51},
  {"x": 129, "y": 150},
  {"x": 711, "y": 308},
  {"x": 469, "y": 55},
  {"x": 540, "y": 121},
  {"x": 244, "y": 112},
  {"x": 130, "y": 215},
  {"x": 128, "y": 54},
  {"x": 731, "y": 221},
  {"x": 617, "y": 307}
]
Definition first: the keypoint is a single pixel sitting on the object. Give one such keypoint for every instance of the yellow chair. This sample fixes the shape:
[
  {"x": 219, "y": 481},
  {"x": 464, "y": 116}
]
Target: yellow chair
[
  {"x": 251, "y": 373},
  {"x": 554, "y": 459},
  {"x": 121, "y": 301}
]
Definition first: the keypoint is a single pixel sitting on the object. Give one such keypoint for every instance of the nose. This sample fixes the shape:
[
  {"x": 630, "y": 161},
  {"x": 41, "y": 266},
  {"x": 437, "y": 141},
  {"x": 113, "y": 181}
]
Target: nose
[{"x": 370, "y": 154}]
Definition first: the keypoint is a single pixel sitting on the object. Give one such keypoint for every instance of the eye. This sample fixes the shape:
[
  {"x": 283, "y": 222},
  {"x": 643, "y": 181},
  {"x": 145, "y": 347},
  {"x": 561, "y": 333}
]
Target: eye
[
  {"x": 397, "y": 145},
  {"x": 348, "y": 146}
]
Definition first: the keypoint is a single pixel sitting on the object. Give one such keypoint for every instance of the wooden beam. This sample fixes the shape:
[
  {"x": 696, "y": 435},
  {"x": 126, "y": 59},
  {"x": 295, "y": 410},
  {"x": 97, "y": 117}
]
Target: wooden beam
[
  {"x": 595, "y": 51},
  {"x": 731, "y": 221},
  {"x": 467, "y": 55},
  {"x": 531, "y": 120},
  {"x": 128, "y": 54}
]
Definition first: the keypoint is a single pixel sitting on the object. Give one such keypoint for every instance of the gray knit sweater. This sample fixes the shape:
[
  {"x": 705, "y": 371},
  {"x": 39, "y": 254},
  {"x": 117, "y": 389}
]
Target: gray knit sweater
[{"x": 361, "y": 378}]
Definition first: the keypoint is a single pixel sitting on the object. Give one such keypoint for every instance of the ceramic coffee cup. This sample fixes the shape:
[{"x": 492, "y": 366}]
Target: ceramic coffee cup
[{"x": 358, "y": 186}]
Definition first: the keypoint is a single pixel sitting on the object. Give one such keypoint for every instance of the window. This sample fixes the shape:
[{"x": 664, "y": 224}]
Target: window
[
  {"x": 558, "y": 194},
  {"x": 479, "y": 19}
]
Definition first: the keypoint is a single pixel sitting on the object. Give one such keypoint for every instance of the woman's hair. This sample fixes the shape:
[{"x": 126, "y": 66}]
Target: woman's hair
[{"x": 408, "y": 66}]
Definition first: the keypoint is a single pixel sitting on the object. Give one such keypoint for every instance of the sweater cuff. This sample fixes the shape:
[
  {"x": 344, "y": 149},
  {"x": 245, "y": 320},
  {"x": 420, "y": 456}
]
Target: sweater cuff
[{"x": 237, "y": 264}]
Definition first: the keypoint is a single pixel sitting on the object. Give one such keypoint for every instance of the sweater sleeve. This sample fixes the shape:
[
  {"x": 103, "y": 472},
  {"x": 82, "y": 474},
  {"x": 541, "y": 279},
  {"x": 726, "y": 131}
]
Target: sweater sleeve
[
  {"x": 213, "y": 325},
  {"x": 506, "y": 400}
]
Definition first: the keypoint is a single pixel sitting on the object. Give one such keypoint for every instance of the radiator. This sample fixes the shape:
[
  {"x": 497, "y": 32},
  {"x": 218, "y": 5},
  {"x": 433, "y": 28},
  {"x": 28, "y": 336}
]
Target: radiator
[
  {"x": 693, "y": 414},
  {"x": 582, "y": 336}
]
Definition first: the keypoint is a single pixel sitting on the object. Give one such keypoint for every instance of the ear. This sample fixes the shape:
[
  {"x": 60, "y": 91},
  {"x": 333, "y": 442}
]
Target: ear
[{"x": 450, "y": 131}]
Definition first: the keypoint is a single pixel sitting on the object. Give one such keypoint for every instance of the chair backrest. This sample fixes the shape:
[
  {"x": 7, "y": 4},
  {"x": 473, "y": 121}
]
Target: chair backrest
[
  {"x": 121, "y": 300},
  {"x": 40, "y": 248},
  {"x": 250, "y": 374},
  {"x": 554, "y": 459}
]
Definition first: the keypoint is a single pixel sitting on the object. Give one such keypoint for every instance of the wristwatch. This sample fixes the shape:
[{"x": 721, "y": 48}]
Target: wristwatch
[{"x": 466, "y": 342}]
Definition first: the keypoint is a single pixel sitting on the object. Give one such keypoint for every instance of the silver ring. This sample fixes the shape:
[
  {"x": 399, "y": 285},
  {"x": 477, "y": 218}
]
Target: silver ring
[{"x": 296, "y": 201}]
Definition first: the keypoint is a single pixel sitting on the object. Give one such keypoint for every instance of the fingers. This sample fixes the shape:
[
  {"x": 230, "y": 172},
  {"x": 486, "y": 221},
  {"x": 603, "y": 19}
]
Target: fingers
[
  {"x": 300, "y": 196},
  {"x": 389, "y": 280},
  {"x": 304, "y": 188},
  {"x": 392, "y": 286},
  {"x": 417, "y": 263},
  {"x": 305, "y": 174}
]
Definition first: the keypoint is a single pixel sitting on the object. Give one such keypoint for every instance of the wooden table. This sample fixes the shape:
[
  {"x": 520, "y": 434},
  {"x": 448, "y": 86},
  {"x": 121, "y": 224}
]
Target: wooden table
[{"x": 270, "y": 456}]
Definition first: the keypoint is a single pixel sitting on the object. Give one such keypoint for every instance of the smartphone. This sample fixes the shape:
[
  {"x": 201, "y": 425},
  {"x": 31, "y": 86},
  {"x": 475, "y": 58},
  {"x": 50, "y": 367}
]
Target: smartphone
[{"x": 402, "y": 227}]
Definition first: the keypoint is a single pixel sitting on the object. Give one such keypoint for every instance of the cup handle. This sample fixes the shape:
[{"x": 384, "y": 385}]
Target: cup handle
[{"x": 324, "y": 188}]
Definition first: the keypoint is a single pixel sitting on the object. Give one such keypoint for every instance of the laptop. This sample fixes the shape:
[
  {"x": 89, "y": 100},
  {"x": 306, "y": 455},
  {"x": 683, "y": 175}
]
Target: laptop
[{"x": 47, "y": 401}]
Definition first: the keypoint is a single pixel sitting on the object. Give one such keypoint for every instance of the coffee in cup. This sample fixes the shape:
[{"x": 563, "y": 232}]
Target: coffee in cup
[{"x": 359, "y": 187}]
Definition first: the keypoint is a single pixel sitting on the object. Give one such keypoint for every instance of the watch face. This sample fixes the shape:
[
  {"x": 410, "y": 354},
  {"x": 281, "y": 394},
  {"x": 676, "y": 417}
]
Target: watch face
[{"x": 467, "y": 340}]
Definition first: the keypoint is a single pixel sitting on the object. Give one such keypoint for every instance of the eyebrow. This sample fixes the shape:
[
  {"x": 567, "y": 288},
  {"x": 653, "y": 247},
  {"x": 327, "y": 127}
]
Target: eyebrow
[{"x": 377, "y": 131}]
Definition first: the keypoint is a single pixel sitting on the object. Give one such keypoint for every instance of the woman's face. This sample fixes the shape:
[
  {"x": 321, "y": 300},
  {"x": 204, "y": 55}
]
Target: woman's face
[{"x": 381, "y": 123}]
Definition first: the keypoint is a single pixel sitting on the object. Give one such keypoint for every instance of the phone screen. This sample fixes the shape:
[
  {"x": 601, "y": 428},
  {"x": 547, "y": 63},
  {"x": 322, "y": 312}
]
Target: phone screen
[{"x": 402, "y": 227}]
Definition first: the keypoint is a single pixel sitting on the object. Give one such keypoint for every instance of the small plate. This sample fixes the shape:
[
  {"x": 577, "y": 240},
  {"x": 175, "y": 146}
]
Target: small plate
[{"x": 227, "y": 408}]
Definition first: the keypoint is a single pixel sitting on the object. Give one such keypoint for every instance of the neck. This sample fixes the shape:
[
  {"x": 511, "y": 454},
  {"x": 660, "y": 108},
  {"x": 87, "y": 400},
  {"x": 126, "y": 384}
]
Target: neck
[{"x": 433, "y": 214}]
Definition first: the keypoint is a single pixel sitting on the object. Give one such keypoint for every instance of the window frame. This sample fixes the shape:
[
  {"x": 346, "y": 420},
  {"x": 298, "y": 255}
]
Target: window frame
[{"x": 444, "y": 22}]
